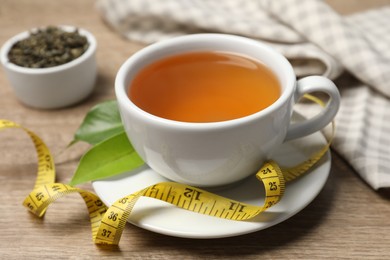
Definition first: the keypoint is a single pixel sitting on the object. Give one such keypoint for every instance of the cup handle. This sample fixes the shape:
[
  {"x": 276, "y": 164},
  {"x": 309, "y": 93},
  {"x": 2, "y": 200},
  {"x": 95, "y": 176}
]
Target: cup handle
[{"x": 314, "y": 84}]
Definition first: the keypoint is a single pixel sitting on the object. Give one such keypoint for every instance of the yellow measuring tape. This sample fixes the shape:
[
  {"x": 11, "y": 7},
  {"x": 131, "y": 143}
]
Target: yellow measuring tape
[{"x": 108, "y": 223}]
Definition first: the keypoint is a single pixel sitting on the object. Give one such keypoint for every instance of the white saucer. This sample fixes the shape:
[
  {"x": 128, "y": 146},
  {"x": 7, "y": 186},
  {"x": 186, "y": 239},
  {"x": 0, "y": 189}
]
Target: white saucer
[{"x": 164, "y": 218}]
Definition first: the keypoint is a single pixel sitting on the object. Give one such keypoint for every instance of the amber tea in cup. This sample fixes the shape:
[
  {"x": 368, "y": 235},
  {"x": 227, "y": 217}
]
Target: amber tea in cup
[
  {"x": 209, "y": 109},
  {"x": 206, "y": 86}
]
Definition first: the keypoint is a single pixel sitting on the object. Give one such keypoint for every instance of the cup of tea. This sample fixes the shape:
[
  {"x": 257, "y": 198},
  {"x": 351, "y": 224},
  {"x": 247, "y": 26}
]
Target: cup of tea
[{"x": 209, "y": 109}]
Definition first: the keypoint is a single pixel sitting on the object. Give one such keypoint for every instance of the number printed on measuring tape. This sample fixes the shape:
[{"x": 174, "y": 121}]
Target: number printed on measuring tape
[
  {"x": 108, "y": 223},
  {"x": 46, "y": 168}
]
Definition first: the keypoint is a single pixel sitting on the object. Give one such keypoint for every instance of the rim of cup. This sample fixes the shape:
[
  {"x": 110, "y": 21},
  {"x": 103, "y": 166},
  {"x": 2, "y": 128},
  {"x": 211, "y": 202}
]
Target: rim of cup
[{"x": 122, "y": 84}]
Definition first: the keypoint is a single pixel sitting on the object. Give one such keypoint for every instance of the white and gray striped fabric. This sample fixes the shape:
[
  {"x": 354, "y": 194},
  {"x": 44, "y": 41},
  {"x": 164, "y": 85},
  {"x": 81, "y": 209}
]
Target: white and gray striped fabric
[{"x": 313, "y": 37}]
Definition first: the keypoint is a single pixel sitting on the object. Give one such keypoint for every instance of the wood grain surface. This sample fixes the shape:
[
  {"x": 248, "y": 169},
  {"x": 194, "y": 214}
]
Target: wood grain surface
[{"x": 348, "y": 220}]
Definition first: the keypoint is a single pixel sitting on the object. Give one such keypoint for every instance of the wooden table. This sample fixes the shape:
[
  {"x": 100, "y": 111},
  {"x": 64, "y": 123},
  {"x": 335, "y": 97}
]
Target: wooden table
[{"x": 347, "y": 220}]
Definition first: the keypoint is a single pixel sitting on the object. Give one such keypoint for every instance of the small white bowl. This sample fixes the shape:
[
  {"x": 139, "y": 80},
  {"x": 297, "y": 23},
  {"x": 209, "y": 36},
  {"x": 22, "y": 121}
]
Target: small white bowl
[{"x": 53, "y": 87}]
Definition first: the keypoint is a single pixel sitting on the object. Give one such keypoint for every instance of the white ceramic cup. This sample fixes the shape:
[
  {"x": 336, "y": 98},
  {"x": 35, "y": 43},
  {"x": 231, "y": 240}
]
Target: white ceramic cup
[{"x": 218, "y": 153}]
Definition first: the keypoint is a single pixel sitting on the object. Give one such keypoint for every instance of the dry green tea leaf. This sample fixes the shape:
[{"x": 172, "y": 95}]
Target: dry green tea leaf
[{"x": 48, "y": 47}]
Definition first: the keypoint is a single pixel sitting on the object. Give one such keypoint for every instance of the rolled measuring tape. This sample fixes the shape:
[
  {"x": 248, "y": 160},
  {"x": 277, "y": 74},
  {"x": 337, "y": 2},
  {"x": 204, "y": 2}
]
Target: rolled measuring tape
[{"x": 108, "y": 223}]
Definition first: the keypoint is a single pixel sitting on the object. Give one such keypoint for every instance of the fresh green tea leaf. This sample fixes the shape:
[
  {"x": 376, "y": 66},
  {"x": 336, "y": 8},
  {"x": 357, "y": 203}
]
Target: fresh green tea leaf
[
  {"x": 101, "y": 122},
  {"x": 110, "y": 157}
]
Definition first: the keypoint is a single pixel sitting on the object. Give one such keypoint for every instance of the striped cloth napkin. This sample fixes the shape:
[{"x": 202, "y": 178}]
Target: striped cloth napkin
[{"x": 313, "y": 37}]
